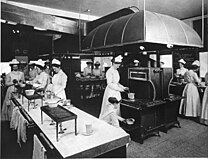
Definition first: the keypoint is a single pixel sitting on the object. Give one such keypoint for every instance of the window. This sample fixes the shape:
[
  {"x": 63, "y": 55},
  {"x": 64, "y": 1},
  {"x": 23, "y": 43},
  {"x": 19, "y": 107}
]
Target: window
[
  {"x": 5, "y": 67},
  {"x": 203, "y": 58}
]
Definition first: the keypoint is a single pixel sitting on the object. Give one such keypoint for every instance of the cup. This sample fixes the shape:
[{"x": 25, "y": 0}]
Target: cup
[{"x": 88, "y": 126}]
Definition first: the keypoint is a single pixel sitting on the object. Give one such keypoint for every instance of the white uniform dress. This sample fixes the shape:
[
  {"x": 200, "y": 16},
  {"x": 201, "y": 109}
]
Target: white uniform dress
[
  {"x": 113, "y": 89},
  {"x": 191, "y": 104},
  {"x": 181, "y": 71},
  {"x": 42, "y": 79},
  {"x": 87, "y": 71},
  {"x": 204, "y": 112},
  {"x": 110, "y": 116},
  {"x": 97, "y": 72},
  {"x": 7, "y": 108},
  {"x": 59, "y": 81}
]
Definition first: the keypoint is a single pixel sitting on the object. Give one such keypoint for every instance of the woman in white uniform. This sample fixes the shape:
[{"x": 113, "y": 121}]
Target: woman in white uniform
[
  {"x": 110, "y": 115},
  {"x": 191, "y": 104},
  {"x": 42, "y": 78},
  {"x": 97, "y": 71},
  {"x": 59, "y": 80},
  {"x": 88, "y": 70},
  {"x": 204, "y": 112},
  {"x": 33, "y": 71},
  {"x": 182, "y": 70},
  {"x": 12, "y": 78},
  {"x": 113, "y": 88}
]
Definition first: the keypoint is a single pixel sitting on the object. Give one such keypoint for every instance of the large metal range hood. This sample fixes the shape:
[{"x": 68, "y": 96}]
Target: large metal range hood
[{"x": 143, "y": 28}]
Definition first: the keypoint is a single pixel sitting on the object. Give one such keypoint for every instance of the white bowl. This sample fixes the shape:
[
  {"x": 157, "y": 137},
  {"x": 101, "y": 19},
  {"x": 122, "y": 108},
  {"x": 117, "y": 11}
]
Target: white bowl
[
  {"x": 29, "y": 92},
  {"x": 36, "y": 85},
  {"x": 52, "y": 102},
  {"x": 52, "y": 105},
  {"x": 130, "y": 121},
  {"x": 22, "y": 85}
]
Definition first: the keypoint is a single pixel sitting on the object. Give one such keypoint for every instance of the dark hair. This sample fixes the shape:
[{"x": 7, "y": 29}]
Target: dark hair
[
  {"x": 113, "y": 61},
  {"x": 113, "y": 100},
  {"x": 194, "y": 67},
  {"x": 182, "y": 63},
  {"x": 56, "y": 65},
  {"x": 41, "y": 67},
  {"x": 12, "y": 64},
  {"x": 89, "y": 62}
]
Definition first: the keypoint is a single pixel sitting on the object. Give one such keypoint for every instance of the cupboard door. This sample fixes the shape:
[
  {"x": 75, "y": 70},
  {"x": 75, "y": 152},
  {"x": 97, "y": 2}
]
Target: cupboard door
[{"x": 148, "y": 120}]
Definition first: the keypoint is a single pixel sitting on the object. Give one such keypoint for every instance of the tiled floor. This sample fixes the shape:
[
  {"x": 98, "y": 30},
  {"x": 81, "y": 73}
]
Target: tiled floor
[{"x": 191, "y": 140}]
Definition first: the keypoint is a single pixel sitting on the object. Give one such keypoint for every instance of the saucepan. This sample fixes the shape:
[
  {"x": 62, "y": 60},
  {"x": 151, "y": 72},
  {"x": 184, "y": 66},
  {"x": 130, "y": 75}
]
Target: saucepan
[{"x": 131, "y": 96}]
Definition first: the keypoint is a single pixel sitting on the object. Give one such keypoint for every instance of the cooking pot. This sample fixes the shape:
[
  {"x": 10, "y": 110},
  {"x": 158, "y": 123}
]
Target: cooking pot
[
  {"x": 130, "y": 121},
  {"x": 131, "y": 96}
]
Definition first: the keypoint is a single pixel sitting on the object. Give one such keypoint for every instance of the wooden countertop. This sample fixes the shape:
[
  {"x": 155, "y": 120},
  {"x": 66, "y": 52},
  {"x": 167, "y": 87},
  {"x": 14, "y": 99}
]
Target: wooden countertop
[{"x": 104, "y": 138}]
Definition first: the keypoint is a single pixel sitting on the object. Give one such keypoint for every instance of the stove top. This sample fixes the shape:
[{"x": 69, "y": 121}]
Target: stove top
[
  {"x": 141, "y": 103},
  {"x": 145, "y": 103}
]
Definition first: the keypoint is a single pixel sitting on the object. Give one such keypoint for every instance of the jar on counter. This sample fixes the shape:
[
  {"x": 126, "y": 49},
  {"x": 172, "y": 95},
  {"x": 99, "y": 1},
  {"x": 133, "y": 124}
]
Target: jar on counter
[{"x": 48, "y": 95}]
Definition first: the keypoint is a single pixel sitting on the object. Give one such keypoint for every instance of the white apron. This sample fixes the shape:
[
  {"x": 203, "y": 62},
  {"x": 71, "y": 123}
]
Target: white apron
[
  {"x": 42, "y": 79},
  {"x": 113, "y": 89},
  {"x": 7, "y": 107},
  {"x": 191, "y": 104},
  {"x": 204, "y": 112},
  {"x": 110, "y": 116},
  {"x": 181, "y": 71},
  {"x": 59, "y": 81}
]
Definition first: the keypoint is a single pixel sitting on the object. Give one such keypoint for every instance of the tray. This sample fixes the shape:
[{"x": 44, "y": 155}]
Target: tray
[{"x": 58, "y": 114}]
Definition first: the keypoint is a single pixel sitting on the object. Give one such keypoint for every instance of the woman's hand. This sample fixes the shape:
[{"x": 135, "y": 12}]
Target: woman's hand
[
  {"x": 124, "y": 121},
  {"x": 126, "y": 89}
]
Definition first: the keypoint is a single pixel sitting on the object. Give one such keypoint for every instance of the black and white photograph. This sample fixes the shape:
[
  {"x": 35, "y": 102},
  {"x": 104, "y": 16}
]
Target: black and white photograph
[{"x": 104, "y": 79}]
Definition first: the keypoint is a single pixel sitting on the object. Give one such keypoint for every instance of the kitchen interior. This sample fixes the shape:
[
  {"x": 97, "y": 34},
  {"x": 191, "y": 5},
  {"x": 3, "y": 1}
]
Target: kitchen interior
[{"x": 151, "y": 38}]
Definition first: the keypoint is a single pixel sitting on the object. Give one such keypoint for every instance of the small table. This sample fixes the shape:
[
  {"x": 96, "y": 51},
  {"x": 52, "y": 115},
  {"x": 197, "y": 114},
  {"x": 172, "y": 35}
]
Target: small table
[
  {"x": 32, "y": 97},
  {"x": 58, "y": 114}
]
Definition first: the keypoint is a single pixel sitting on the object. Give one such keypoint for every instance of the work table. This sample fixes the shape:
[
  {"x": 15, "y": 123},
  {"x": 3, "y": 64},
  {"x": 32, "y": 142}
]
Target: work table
[{"x": 105, "y": 138}]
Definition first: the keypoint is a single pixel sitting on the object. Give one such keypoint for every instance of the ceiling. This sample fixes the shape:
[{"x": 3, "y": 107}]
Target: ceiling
[{"x": 181, "y": 9}]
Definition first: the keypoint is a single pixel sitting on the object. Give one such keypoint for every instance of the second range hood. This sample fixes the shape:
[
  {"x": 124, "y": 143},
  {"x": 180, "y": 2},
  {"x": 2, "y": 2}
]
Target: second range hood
[{"x": 143, "y": 28}]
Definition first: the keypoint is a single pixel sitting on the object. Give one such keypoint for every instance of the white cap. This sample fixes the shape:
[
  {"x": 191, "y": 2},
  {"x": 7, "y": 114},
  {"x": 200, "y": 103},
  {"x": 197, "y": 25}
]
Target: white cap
[
  {"x": 118, "y": 59},
  {"x": 56, "y": 62},
  {"x": 97, "y": 63},
  {"x": 14, "y": 62},
  {"x": 196, "y": 63},
  {"x": 136, "y": 61},
  {"x": 40, "y": 62},
  {"x": 182, "y": 61}
]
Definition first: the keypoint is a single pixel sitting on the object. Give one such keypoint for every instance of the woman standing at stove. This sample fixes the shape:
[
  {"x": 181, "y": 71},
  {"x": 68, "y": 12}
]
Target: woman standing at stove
[
  {"x": 113, "y": 88},
  {"x": 191, "y": 105},
  {"x": 204, "y": 113}
]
